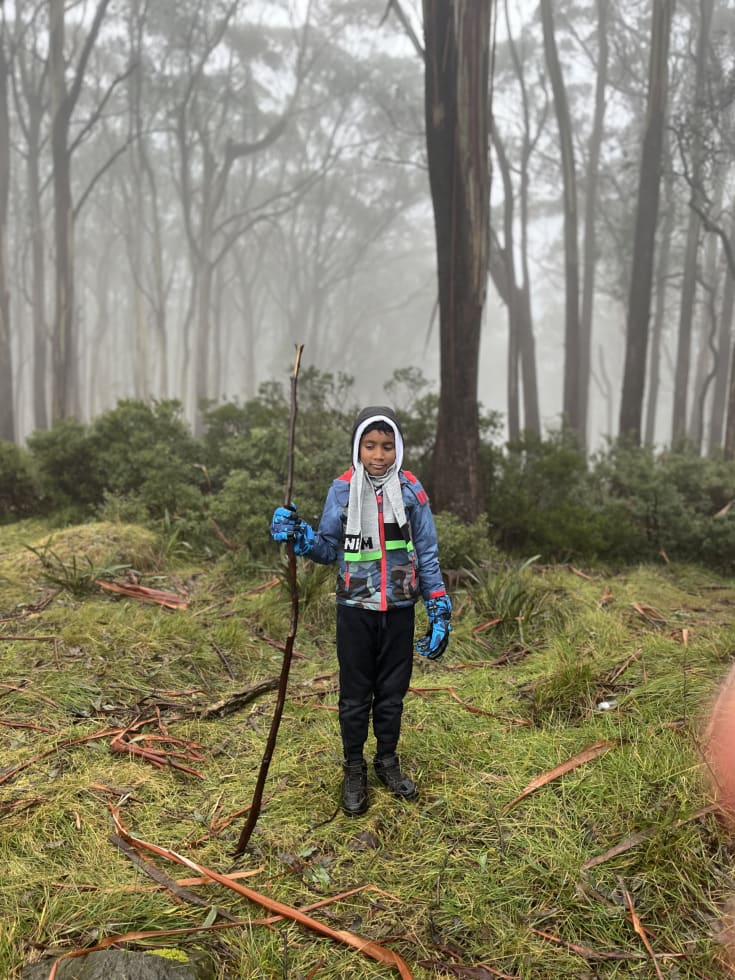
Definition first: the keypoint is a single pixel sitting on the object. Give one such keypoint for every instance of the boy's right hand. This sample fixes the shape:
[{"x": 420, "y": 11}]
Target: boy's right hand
[{"x": 286, "y": 524}]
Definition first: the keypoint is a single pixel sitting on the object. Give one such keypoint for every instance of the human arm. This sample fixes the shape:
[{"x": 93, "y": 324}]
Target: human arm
[
  {"x": 437, "y": 602},
  {"x": 322, "y": 545}
]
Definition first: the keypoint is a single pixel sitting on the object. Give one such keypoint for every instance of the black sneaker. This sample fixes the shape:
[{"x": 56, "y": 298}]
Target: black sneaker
[
  {"x": 354, "y": 788},
  {"x": 388, "y": 771}
]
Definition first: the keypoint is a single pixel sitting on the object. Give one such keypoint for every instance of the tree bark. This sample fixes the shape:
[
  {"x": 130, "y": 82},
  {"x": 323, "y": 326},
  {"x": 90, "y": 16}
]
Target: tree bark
[
  {"x": 639, "y": 302},
  {"x": 7, "y": 402},
  {"x": 689, "y": 284},
  {"x": 65, "y": 393},
  {"x": 571, "y": 397},
  {"x": 724, "y": 356},
  {"x": 590, "y": 214},
  {"x": 457, "y": 46},
  {"x": 662, "y": 275}
]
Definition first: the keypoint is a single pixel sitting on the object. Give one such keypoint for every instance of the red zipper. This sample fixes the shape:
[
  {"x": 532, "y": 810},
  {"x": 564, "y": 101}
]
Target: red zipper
[{"x": 383, "y": 559}]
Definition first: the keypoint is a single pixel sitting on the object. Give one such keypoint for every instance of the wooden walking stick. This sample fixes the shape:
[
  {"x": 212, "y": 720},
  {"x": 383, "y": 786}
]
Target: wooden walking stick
[{"x": 288, "y": 649}]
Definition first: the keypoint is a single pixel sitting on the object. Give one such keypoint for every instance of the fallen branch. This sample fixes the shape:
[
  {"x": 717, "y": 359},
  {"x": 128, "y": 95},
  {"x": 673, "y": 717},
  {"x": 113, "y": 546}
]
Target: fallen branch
[
  {"x": 480, "y": 972},
  {"x": 368, "y": 948},
  {"x": 585, "y": 952},
  {"x": 11, "y": 773},
  {"x": 643, "y": 835},
  {"x": 163, "y": 880},
  {"x": 638, "y": 926},
  {"x": 170, "y": 600},
  {"x": 234, "y": 702},
  {"x": 270, "y": 744},
  {"x": 161, "y": 758},
  {"x": 593, "y": 751},
  {"x": 452, "y": 693}
]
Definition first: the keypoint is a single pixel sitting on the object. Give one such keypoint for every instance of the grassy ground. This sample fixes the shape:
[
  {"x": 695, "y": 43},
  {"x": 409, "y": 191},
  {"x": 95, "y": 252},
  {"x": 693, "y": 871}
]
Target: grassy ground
[{"x": 616, "y": 867}]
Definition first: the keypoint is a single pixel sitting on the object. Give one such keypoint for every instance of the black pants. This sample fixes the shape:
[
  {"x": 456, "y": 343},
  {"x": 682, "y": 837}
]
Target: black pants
[{"x": 375, "y": 654}]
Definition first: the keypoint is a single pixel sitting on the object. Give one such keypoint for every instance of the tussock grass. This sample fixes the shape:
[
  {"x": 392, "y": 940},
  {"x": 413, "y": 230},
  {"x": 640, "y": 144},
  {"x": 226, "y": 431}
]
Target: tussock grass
[{"x": 466, "y": 875}]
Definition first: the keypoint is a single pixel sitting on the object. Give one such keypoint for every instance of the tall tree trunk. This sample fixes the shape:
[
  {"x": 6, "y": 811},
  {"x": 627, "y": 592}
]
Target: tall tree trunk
[
  {"x": 724, "y": 356},
  {"x": 7, "y": 410},
  {"x": 689, "y": 284},
  {"x": 503, "y": 272},
  {"x": 522, "y": 312},
  {"x": 639, "y": 303},
  {"x": 571, "y": 398},
  {"x": 729, "y": 448},
  {"x": 662, "y": 276},
  {"x": 38, "y": 274},
  {"x": 63, "y": 328},
  {"x": 65, "y": 395},
  {"x": 457, "y": 45},
  {"x": 707, "y": 320},
  {"x": 590, "y": 213},
  {"x": 30, "y": 105}
]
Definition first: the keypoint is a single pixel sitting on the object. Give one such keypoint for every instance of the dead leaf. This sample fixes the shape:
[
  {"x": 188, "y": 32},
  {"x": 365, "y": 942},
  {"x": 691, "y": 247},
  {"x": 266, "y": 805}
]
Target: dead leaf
[{"x": 593, "y": 751}]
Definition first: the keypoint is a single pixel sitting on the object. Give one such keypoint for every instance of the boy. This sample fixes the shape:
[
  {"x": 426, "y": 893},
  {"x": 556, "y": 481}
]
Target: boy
[{"x": 378, "y": 524}]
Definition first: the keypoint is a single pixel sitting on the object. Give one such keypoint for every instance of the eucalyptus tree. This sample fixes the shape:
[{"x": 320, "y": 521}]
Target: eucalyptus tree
[
  {"x": 223, "y": 115},
  {"x": 631, "y": 405},
  {"x": 512, "y": 61},
  {"x": 31, "y": 117},
  {"x": 7, "y": 402},
  {"x": 356, "y": 147},
  {"x": 702, "y": 26},
  {"x": 65, "y": 142},
  {"x": 457, "y": 68},
  {"x": 571, "y": 397}
]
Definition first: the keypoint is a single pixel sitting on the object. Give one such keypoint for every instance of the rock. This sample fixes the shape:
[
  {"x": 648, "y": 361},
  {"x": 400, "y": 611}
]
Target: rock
[{"x": 118, "y": 964}]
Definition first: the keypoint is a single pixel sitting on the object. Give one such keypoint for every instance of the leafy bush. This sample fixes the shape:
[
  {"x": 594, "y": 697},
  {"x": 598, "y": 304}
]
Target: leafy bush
[
  {"x": 140, "y": 462},
  {"x": 147, "y": 451},
  {"x": 65, "y": 458},
  {"x": 541, "y": 499},
  {"x": 461, "y": 544},
  {"x": 19, "y": 490}
]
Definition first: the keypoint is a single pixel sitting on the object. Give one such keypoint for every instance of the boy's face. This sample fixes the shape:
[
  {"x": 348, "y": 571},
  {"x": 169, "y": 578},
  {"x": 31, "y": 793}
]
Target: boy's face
[{"x": 377, "y": 451}]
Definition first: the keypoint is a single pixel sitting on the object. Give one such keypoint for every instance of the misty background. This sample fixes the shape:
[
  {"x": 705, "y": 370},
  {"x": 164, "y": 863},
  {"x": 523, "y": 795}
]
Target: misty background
[{"x": 243, "y": 176}]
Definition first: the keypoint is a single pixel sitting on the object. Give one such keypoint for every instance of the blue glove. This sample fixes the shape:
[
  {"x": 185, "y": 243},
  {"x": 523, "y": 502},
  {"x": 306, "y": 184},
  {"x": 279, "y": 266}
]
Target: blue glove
[
  {"x": 435, "y": 641},
  {"x": 286, "y": 524}
]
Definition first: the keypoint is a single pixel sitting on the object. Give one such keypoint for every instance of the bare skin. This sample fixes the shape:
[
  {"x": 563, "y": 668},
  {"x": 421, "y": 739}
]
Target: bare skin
[{"x": 377, "y": 452}]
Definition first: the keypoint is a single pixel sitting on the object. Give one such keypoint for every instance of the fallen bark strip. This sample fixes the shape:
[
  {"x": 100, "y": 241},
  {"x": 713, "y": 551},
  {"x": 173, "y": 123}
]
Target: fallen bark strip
[
  {"x": 368, "y": 948},
  {"x": 640, "y": 931},
  {"x": 27, "y": 724},
  {"x": 161, "y": 878},
  {"x": 170, "y": 600},
  {"x": 234, "y": 702},
  {"x": 480, "y": 972},
  {"x": 11, "y": 773},
  {"x": 129, "y": 937},
  {"x": 643, "y": 835},
  {"x": 26, "y": 690},
  {"x": 593, "y": 751},
  {"x": 598, "y": 955},
  {"x": 30, "y": 637},
  {"x": 163, "y": 758},
  {"x": 468, "y": 707},
  {"x": 277, "y": 645},
  {"x": 120, "y": 744}
]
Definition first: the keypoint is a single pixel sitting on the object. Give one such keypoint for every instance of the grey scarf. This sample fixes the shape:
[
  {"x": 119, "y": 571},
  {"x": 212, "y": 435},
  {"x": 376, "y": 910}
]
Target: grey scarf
[{"x": 362, "y": 536}]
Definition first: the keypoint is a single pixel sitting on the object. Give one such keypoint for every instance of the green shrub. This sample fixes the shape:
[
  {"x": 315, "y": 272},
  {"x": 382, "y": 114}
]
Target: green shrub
[
  {"x": 68, "y": 471},
  {"x": 147, "y": 451},
  {"x": 463, "y": 545},
  {"x": 19, "y": 489}
]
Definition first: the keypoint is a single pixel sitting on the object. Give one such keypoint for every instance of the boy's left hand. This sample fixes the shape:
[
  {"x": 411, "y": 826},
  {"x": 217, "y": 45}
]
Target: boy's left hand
[{"x": 436, "y": 640}]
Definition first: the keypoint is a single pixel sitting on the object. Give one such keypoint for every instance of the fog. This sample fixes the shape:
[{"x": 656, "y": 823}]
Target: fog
[{"x": 247, "y": 176}]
